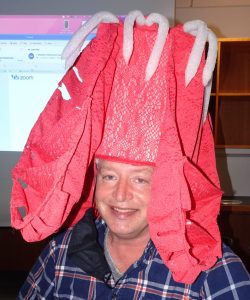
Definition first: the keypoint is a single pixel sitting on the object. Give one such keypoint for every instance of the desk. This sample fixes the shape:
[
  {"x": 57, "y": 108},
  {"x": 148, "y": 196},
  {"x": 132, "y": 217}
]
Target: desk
[{"x": 234, "y": 223}]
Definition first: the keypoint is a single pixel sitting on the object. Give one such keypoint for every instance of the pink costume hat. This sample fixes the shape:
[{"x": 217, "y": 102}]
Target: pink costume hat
[{"x": 138, "y": 93}]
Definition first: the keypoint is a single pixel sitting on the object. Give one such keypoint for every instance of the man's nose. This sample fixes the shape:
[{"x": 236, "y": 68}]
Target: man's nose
[{"x": 122, "y": 191}]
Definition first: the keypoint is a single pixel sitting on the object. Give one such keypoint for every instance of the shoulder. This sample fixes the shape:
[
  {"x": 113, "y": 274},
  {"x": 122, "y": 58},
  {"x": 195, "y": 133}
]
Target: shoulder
[
  {"x": 227, "y": 278},
  {"x": 63, "y": 239},
  {"x": 57, "y": 246},
  {"x": 228, "y": 262}
]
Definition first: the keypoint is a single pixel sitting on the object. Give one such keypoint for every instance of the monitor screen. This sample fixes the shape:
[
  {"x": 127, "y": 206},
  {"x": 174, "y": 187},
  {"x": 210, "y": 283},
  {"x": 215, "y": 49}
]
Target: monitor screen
[
  {"x": 30, "y": 68},
  {"x": 32, "y": 38}
]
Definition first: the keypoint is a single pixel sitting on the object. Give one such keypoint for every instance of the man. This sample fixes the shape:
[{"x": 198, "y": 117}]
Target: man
[
  {"x": 126, "y": 264},
  {"x": 128, "y": 125},
  {"x": 122, "y": 196}
]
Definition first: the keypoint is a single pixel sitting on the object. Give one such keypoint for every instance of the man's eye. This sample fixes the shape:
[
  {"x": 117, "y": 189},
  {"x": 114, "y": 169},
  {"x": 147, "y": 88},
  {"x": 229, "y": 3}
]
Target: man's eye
[
  {"x": 141, "y": 180},
  {"x": 108, "y": 177}
]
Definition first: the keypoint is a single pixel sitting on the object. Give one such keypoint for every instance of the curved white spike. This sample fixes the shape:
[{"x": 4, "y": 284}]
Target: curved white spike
[
  {"x": 137, "y": 16},
  {"x": 198, "y": 29},
  {"x": 159, "y": 42},
  {"x": 208, "y": 71},
  {"x": 73, "y": 48},
  {"x": 207, "y": 94},
  {"x": 128, "y": 33},
  {"x": 72, "y": 58},
  {"x": 211, "y": 58}
]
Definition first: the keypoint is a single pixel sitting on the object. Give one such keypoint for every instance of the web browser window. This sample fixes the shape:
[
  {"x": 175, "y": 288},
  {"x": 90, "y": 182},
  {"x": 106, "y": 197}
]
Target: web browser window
[{"x": 30, "y": 69}]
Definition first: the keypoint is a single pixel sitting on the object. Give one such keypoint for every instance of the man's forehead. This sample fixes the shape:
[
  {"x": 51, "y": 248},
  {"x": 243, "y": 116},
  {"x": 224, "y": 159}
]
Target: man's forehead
[{"x": 109, "y": 164}]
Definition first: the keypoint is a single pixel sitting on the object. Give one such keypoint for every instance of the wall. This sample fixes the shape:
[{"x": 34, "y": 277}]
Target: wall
[
  {"x": 165, "y": 7},
  {"x": 234, "y": 171},
  {"x": 227, "y": 18}
]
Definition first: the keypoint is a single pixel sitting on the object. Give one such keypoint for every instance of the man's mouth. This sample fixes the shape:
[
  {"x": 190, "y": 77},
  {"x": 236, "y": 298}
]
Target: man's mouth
[{"x": 123, "y": 210}]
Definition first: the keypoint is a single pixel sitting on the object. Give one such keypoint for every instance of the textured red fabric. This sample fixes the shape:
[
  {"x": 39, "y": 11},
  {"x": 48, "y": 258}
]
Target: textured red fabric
[
  {"x": 132, "y": 126},
  {"x": 115, "y": 114},
  {"x": 182, "y": 217},
  {"x": 61, "y": 145}
]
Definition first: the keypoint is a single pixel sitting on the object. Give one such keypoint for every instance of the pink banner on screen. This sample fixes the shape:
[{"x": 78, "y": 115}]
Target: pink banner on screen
[{"x": 40, "y": 24}]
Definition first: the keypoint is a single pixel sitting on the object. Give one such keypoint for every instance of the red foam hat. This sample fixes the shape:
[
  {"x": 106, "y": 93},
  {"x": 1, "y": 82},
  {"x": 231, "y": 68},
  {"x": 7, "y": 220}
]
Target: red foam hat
[{"x": 136, "y": 94}]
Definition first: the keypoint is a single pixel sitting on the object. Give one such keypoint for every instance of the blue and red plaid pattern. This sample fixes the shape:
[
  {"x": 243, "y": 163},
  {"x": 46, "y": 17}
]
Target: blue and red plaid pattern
[{"x": 54, "y": 276}]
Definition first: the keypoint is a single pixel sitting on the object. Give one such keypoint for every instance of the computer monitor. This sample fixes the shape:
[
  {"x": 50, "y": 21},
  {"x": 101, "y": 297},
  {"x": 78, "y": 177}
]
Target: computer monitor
[
  {"x": 30, "y": 68},
  {"x": 32, "y": 36}
]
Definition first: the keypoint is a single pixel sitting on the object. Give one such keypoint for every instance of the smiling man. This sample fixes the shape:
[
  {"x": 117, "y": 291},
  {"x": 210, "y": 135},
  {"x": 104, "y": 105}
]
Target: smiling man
[
  {"x": 124, "y": 153},
  {"x": 122, "y": 195}
]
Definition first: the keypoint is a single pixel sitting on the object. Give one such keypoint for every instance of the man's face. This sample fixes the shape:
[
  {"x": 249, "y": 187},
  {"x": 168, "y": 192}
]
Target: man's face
[{"x": 122, "y": 195}]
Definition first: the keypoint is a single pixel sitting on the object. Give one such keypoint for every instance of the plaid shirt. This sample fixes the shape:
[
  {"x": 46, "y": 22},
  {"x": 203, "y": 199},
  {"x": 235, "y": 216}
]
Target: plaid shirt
[{"x": 55, "y": 276}]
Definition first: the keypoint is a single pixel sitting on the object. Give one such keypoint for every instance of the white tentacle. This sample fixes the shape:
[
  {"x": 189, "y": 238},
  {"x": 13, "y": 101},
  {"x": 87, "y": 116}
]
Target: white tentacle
[
  {"x": 198, "y": 29},
  {"x": 211, "y": 58},
  {"x": 73, "y": 48},
  {"x": 206, "y": 101},
  {"x": 159, "y": 42},
  {"x": 137, "y": 16},
  {"x": 128, "y": 33},
  {"x": 203, "y": 34}
]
